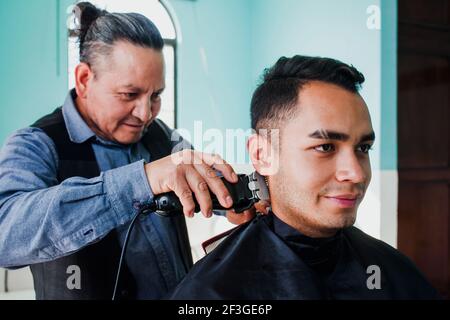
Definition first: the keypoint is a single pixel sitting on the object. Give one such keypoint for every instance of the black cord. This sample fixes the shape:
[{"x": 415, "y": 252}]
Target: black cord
[
  {"x": 122, "y": 254},
  {"x": 143, "y": 210}
]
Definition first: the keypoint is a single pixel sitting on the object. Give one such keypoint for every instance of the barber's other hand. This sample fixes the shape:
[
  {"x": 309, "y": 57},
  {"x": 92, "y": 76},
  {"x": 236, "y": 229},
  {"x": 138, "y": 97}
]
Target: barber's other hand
[
  {"x": 188, "y": 172},
  {"x": 240, "y": 218}
]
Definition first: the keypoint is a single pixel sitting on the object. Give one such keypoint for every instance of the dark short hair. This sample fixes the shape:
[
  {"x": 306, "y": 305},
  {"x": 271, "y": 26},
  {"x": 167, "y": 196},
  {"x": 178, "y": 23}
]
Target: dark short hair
[
  {"x": 98, "y": 30},
  {"x": 275, "y": 98}
]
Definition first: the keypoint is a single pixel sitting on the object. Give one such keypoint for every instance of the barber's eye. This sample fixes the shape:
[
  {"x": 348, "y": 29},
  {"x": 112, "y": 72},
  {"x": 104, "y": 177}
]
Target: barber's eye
[
  {"x": 128, "y": 95},
  {"x": 365, "y": 148},
  {"x": 156, "y": 96},
  {"x": 325, "y": 148}
]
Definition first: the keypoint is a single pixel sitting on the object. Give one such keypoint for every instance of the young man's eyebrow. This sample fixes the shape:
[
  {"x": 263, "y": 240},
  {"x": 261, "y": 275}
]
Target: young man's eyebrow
[
  {"x": 339, "y": 136},
  {"x": 329, "y": 135},
  {"x": 368, "y": 137}
]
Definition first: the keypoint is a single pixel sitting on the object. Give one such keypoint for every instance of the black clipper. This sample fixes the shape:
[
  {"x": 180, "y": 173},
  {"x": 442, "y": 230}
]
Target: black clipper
[{"x": 245, "y": 193}]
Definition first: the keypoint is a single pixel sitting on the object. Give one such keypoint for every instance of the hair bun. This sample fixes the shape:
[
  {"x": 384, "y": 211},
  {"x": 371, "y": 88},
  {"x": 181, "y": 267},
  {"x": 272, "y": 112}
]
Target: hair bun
[{"x": 86, "y": 14}]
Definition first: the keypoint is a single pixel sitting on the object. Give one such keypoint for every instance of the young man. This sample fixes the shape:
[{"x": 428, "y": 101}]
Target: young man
[{"x": 317, "y": 173}]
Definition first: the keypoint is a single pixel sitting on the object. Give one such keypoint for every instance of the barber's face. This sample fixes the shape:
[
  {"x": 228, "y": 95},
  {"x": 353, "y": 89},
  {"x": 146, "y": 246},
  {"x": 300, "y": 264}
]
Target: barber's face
[
  {"x": 324, "y": 163},
  {"x": 123, "y": 97}
]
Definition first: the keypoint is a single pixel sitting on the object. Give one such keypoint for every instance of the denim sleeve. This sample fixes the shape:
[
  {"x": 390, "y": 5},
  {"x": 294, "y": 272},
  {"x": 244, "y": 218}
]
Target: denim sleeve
[{"x": 41, "y": 220}]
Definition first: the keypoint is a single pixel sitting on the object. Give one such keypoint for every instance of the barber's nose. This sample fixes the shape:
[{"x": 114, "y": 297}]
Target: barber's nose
[
  {"x": 143, "y": 110},
  {"x": 350, "y": 168}
]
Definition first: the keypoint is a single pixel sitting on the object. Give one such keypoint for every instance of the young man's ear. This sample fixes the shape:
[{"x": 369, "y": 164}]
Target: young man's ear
[
  {"x": 83, "y": 74},
  {"x": 264, "y": 153}
]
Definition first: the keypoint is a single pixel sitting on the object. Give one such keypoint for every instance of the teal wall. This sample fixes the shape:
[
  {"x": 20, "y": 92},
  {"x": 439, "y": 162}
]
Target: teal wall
[
  {"x": 33, "y": 61},
  {"x": 214, "y": 63}
]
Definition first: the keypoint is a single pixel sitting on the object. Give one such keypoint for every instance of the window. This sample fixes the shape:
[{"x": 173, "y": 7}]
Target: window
[{"x": 156, "y": 12}]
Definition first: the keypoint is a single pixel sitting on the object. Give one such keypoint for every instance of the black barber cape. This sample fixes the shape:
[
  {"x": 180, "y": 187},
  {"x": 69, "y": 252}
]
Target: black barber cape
[{"x": 268, "y": 259}]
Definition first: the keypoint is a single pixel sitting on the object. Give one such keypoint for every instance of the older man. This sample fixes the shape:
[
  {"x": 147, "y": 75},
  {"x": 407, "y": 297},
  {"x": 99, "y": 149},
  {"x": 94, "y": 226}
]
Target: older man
[{"x": 71, "y": 183}]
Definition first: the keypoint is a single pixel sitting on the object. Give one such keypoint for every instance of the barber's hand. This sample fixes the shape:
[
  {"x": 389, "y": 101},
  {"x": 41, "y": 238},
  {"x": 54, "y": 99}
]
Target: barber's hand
[
  {"x": 190, "y": 171},
  {"x": 240, "y": 218}
]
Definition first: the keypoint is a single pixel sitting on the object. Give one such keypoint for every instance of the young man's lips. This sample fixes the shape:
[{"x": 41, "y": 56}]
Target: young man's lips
[{"x": 344, "y": 201}]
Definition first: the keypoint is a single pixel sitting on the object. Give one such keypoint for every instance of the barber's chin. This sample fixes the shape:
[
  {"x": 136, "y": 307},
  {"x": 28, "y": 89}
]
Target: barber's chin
[{"x": 128, "y": 138}]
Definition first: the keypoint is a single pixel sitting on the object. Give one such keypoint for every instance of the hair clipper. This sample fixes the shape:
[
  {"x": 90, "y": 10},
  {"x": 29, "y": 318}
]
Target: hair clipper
[{"x": 245, "y": 193}]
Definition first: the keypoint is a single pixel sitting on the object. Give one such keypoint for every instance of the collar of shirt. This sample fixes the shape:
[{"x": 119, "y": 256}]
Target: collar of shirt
[
  {"x": 319, "y": 253},
  {"x": 78, "y": 129}
]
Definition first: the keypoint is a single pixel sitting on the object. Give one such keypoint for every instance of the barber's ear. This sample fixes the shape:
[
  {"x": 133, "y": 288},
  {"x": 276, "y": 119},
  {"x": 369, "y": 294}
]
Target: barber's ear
[
  {"x": 83, "y": 75},
  {"x": 264, "y": 154}
]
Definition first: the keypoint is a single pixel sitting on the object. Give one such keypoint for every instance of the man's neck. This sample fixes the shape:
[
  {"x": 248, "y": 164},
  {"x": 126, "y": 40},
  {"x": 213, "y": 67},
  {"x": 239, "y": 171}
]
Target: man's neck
[{"x": 295, "y": 221}]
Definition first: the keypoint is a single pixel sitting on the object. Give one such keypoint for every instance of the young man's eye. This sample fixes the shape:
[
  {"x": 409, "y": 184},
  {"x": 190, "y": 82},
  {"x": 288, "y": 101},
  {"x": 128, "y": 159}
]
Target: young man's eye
[
  {"x": 365, "y": 148},
  {"x": 325, "y": 148}
]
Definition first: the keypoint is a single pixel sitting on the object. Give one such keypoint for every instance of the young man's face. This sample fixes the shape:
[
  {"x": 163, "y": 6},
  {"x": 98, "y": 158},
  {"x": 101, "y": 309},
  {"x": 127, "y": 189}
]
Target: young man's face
[
  {"x": 123, "y": 98},
  {"x": 324, "y": 163}
]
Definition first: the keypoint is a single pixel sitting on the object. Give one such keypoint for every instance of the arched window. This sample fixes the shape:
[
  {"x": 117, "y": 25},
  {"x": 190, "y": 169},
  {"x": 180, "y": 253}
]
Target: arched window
[{"x": 158, "y": 14}]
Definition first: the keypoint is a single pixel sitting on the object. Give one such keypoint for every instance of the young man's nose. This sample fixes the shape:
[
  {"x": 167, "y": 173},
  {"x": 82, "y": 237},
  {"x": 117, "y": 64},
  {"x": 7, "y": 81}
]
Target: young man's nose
[{"x": 350, "y": 168}]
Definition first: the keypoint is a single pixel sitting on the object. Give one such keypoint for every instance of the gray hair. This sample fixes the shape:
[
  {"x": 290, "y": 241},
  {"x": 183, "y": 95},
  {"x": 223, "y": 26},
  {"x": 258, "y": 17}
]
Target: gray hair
[{"x": 98, "y": 30}]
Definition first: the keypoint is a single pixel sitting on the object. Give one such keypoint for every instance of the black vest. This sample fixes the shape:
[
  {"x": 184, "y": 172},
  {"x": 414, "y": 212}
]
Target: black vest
[{"x": 97, "y": 262}]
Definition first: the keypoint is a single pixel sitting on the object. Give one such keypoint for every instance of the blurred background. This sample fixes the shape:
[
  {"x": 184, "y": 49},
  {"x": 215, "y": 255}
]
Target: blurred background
[{"x": 215, "y": 52}]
